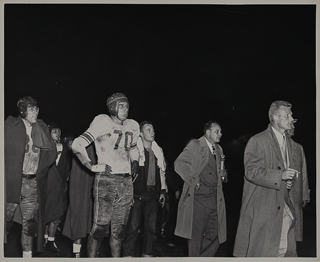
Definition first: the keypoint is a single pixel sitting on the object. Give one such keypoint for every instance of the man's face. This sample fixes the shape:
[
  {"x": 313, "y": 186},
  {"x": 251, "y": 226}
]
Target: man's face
[
  {"x": 214, "y": 134},
  {"x": 69, "y": 144},
  {"x": 283, "y": 118},
  {"x": 32, "y": 114},
  {"x": 56, "y": 134},
  {"x": 148, "y": 133},
  {"x": 123, "y": 110}
]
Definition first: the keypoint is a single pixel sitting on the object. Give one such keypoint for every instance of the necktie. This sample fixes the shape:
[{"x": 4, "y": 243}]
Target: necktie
[
  {"x": 286, "y": 164},
  {"x": 283, "y": 151},
  {"x": 214, "y": 151}
]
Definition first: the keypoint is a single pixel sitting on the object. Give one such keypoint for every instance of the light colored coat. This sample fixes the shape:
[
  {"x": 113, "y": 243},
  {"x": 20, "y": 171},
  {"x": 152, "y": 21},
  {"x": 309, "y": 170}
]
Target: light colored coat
[
  {"x": 300, "y": 189},
  {"x": 189, "y": 165},
  {"x": 261, "y": 214}
]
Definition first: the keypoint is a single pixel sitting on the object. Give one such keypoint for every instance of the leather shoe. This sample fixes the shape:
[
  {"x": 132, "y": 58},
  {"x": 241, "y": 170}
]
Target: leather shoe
[{"x": 51, "y": 246}]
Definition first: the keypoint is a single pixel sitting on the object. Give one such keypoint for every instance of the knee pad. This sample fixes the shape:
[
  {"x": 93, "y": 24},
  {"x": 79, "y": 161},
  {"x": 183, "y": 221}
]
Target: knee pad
[
  {"x": 119, "y": 233},
  {"x": 99, "y": 232},
  {"x": 31, "y": 227}
]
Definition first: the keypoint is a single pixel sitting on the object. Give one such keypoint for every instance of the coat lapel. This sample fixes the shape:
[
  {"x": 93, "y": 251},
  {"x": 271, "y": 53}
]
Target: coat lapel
[
  {"x": 218, "y": 157},
  {"x": 292, "y": 149},
  {"x": 275, "y": 145}
]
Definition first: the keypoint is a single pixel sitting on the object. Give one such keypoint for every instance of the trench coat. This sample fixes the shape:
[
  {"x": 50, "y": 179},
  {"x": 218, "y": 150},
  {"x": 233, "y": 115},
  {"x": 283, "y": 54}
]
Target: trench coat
[
  {"x": 189, "y": 165},
  {"x": 261, "y": 214},
  {"x": 300, "y": 190}
]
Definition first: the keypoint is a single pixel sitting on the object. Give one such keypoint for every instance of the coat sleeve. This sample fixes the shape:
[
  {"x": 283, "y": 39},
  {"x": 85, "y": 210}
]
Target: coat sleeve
[
  {"x": 258, "y": 165},
  {"x": 305, "y": 183},
  {"x": 184, "y": 164}
]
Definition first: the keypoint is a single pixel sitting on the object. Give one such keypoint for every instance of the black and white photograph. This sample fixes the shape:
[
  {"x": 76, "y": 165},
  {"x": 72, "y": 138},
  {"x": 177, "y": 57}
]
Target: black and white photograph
[{"x": 159, "y": 129}]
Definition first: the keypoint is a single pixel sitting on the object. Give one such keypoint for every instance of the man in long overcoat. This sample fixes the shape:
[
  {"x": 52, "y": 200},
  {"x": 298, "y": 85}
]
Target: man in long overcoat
[
  {"x": 300, "y": 189},
  {"x": 201, "y": 211},
  {"x": 267, "y": 218}
]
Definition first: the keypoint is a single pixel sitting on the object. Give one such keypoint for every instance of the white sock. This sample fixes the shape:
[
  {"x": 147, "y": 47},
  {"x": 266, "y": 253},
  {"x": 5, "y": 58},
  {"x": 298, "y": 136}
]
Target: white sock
[
  {"x": 76, "y": 248},
  {"x": 27, "y": 254},
  {"x": 51, "y": 238}
]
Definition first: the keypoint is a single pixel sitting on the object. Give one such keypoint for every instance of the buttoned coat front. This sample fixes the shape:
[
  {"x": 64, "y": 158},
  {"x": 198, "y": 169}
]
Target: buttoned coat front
[
  {"x": 261, "y": 214},
  {"x": 189, "y": 165}
]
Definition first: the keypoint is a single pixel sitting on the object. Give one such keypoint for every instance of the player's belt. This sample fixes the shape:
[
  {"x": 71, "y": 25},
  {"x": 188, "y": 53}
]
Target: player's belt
[
  {"x": 116, "y": 174},
  {"x": 28, "y": 176}
]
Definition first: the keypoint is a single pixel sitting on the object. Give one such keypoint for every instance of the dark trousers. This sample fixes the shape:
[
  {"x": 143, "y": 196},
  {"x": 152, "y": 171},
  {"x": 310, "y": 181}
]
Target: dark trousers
[
  {"x": 204, "y": 240},
  {"x": 148, "y": 209}
]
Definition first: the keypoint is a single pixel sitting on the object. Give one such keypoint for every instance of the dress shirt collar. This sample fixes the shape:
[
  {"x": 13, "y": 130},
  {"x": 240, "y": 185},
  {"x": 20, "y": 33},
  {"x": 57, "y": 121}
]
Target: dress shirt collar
[
  {"x": 278, "y": 135},
  {"x": 209, "y": 145}
]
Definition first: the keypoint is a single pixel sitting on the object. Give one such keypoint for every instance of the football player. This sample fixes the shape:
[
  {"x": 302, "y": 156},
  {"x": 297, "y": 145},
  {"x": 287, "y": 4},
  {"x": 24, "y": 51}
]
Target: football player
[{"x": 115, "y": 139}]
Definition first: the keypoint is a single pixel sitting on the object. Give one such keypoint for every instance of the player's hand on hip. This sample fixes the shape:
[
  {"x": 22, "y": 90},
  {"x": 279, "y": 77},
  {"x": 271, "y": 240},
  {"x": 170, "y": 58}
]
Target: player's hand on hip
[
  {"x": 108, "y": 169},
  {"x": 101, "y": 168}
]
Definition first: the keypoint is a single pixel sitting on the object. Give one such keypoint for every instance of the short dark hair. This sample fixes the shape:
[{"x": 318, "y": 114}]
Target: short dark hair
[
  {"x": 23, "y": 104},
  {"x": 208, "y": 125},
  {"x": 146, "y": 122},
  {"x": 52, "y": 126},
  {"x": 68, "y": 138}
]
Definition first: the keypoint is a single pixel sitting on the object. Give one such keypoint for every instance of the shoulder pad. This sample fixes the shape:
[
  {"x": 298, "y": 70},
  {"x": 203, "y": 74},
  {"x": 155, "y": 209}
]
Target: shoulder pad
[
  {"x": 102, "y": 117},
  {"x": 132, "y": 123}
]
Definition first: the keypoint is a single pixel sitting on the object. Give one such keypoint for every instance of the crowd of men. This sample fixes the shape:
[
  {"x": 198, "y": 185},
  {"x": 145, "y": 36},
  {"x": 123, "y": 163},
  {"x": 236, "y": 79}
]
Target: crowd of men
[{"x": 111, "y": 179}]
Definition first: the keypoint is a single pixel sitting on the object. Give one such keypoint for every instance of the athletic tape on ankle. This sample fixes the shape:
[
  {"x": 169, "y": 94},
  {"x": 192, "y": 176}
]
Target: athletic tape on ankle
[
  {"x": 76, "y": 248},
  {"x": 27, "y": 254}
]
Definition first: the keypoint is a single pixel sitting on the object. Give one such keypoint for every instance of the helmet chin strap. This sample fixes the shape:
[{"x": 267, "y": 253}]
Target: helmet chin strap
[
  {"x": 118, "y": 116},
  {"x": 120, "y": 120}
]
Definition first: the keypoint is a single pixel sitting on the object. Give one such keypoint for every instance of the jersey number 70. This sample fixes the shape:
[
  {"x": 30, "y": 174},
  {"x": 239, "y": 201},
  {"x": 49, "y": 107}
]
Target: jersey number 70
[{"x": 126, "y": 141}]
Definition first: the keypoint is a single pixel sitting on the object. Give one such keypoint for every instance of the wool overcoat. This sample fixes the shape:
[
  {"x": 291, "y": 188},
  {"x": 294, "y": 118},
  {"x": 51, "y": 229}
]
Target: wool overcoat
[
  {"x": 64, "y": 165},
  {"x": 78, "y": 222},
  {"x": 189, "y": 165},
  {"x": 15, "y": 142},
  {"x": 261, "y": 214},
  {"x": 300, "y": 189}
]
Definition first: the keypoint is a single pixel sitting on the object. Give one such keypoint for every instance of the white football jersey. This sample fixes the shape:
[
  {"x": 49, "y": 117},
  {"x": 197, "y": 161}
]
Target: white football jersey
[{"x": 113, "y": 142}]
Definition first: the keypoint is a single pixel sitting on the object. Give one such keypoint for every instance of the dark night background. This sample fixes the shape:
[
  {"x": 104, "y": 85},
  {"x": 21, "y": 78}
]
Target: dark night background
[{"x": 179, "y": 65}]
